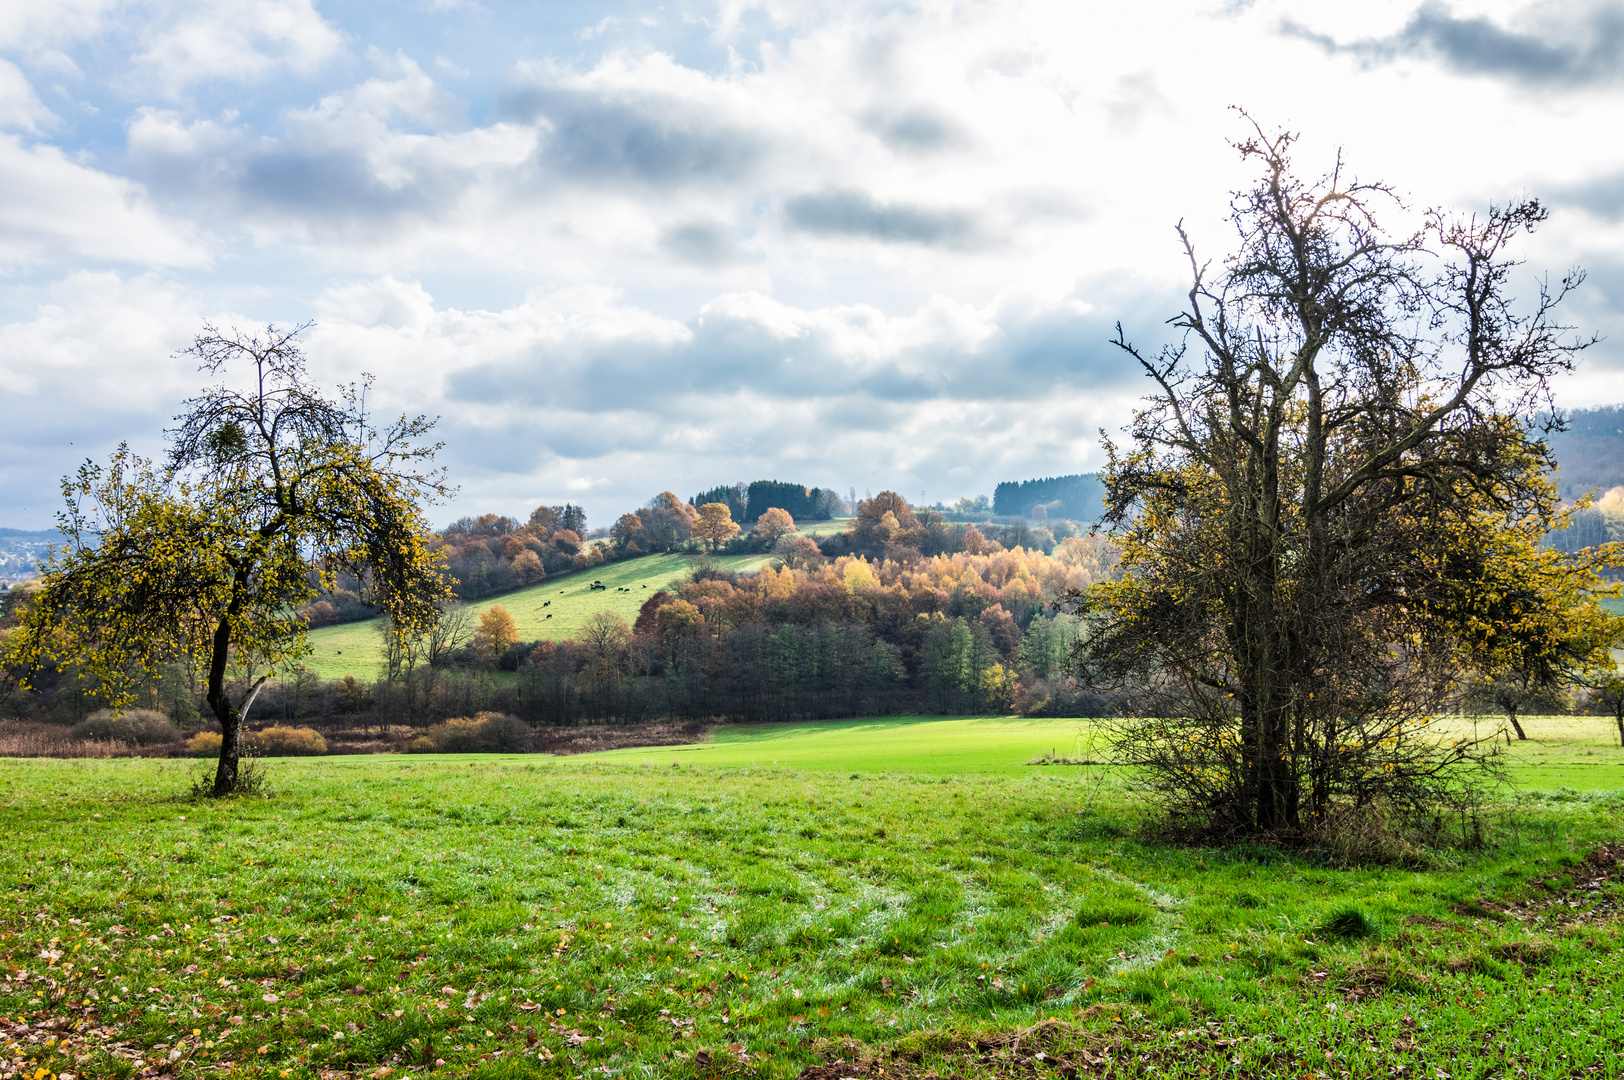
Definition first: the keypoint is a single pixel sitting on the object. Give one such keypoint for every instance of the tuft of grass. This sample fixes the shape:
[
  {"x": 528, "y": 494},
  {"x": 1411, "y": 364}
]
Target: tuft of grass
[{"x": 1348, "y": 923}]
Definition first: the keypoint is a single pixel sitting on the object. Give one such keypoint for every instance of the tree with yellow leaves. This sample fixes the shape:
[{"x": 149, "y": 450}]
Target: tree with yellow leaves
[
  {"x": 1533, "y": 619},
  {"x": 497, "y": 631},
  {"x": 268, "y": 491},
  {"x": 714, "y": 524}
]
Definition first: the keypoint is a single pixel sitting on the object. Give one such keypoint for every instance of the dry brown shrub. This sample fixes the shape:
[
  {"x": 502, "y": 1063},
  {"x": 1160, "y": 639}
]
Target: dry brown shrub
[
  {"x": 205, "y": 744},
  {"x": 20, "y": 738},
  {"x": 284, "y": 741}
]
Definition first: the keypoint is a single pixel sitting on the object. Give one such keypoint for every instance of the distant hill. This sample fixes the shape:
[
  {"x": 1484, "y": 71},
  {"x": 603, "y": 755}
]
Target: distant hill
[
  {"x": 1590, "y": 456},
  {"x": 1590, "y": 453},
  {"x": 31, "y": 536},
  {"x": 1079, "y": 497}
]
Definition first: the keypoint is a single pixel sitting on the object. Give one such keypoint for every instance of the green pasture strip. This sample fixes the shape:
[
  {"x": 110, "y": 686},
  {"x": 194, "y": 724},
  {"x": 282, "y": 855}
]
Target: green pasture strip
[
  {"x": 823, "y": 528},
  {"x": 527, "y": 916},
  {"x": 930, "y": 745},
  {"x": 1574, "y": 752},
  {"x": 1579, "y": 753},
  {"x": 357, "y": 648}
]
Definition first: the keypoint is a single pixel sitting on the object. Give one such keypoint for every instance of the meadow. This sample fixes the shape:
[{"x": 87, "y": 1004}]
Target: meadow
[
  {"x": 769, "y": 904},
  {"x": 553, "y": 610}
]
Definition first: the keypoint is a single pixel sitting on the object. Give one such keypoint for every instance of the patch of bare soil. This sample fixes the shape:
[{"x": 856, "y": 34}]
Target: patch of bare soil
[
  {"x": 590, "y": 740},
  {"x": 1048, "y": 1048}
]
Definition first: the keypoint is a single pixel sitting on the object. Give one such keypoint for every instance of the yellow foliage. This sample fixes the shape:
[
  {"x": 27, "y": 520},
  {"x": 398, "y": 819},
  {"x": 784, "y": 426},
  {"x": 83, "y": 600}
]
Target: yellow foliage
[
  {"x": 204, "y": 744},
  {"x": 714, "y": 524},
  {"x": 497, "y": 630},
  {"x": 284, "y": 741},
  {"x": 856, "y": 575}
]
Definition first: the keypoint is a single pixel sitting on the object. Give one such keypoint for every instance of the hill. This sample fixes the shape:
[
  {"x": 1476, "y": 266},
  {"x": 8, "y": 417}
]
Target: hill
[
  {"x": 1079, "y": 497},
  {"x": 1590, "y": 452},
  {"x": 553, "y": 610}
]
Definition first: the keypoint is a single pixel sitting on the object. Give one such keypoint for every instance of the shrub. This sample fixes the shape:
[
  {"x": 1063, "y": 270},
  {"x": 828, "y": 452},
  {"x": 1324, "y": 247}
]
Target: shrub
[
  {"x": 204, "y": 744},
  {"x": 422, "y": 745},
  {"x": 143, "y": 727},
  {"x": 484, "y": 733},
  {"x": 282, "y": 741}
]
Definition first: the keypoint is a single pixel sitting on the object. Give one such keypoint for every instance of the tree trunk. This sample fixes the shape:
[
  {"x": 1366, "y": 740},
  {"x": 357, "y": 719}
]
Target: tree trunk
[
  {"x": 1512, "y": 714},
  {"x": 1618, "y": 718},
  {"x": 225, "y": 773}
]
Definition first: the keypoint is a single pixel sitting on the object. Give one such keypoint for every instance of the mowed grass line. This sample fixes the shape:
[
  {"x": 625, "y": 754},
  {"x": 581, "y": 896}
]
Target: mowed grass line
[
  {"x": 517, "y": 917},
  {"x": 357, "y": 648}
]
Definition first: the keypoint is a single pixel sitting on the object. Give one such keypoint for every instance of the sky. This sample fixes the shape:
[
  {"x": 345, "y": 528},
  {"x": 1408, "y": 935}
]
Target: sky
[{"x": 624, "y": 247}]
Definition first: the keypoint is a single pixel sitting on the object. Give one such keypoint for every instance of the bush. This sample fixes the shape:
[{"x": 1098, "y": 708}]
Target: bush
[
  {"x": 143, "y": 727},
  {"x": 204, "y": 744},
  {"x": 485, "y": 733},
  {"x": 282, "y": 741}
]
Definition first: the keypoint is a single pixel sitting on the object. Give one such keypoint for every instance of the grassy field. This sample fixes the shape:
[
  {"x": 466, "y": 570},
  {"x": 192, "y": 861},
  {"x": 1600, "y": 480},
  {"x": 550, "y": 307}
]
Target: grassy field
[
  {"x": 925, "y": 745},
  {"x": 823, "y": 528},
  {"x": 552, "y": 610},
  {"x": 916, "y": 904},
  {"x": 1580, "y": 753}
]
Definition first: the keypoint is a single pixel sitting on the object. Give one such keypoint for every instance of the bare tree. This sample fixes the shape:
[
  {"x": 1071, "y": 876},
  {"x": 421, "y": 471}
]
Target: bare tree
[{"x": 1307, "y": 502}]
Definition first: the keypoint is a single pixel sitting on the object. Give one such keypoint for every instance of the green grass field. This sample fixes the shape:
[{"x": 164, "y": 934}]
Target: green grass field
[
  {"x": 1580, "y": 753},
  {"x": 901, "y": 895},
  {"x": 925, "y": 745},
  {"x": 552, "y": 610},
  {"x": 823, "y": 528}
]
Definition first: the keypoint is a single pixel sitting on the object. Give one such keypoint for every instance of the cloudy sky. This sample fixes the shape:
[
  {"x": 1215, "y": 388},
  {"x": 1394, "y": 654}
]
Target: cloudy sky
[{"x": 621, "y": 247}]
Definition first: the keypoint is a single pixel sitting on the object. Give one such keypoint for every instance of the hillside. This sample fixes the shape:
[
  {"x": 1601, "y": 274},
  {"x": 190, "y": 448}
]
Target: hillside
[
  {"x": 1080, "y": 497},
  {"x": 553, "y": 610},
  {"x": 1591, "y": 452}
]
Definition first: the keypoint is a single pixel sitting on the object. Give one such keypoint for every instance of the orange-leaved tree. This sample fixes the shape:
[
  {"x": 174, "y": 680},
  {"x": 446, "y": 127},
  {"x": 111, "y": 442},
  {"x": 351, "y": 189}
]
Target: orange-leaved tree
[
  {"x": 774, "y": 523},
  {"x": 497, "y": 631},
  {"x": 714, "y": 524}
]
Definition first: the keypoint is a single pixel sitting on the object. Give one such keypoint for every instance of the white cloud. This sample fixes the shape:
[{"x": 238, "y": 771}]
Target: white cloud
[
  {"x": 20, "y": 108},
  {"x": 242, "y": 41},
  {"x": 35, "y": 27},
  {"x": 89, "y": 365},
  {"x": 57, "y": 210}
]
